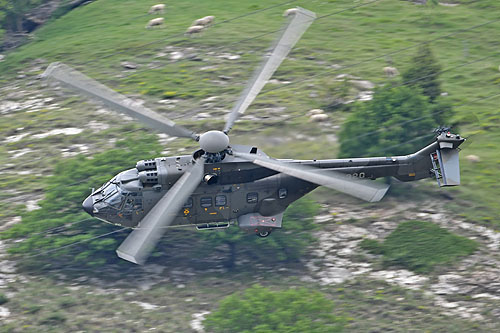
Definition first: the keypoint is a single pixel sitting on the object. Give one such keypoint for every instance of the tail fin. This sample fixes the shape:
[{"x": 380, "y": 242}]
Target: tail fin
[
  {"x": 438, "y": 160},
  {"x": 446, "y": 166}
]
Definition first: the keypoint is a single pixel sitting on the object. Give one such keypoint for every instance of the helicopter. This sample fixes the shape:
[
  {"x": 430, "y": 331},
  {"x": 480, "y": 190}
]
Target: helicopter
[{"x": 222, "y": 183}]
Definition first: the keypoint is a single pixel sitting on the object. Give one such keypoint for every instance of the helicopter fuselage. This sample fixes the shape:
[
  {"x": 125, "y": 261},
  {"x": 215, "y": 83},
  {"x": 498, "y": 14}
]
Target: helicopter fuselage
[{"x": 233, "y": 189}]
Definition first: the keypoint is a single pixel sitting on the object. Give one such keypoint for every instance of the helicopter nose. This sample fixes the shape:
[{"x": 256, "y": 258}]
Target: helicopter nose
[{"x": 88, "y": 205}]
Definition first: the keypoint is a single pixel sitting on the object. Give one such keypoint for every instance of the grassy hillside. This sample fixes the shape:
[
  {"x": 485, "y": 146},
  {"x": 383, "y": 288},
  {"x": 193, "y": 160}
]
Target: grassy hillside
[{"x": 96, "y": 38}]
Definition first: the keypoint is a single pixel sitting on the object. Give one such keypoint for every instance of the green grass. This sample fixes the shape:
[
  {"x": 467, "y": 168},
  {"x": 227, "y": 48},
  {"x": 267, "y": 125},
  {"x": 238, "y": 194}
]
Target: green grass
[{"x": 420, "y": 246}]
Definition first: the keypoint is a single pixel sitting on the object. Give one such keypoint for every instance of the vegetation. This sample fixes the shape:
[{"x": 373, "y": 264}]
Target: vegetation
[
  {"x": 3, "y": 299},
  {"x": 345, "y": 39},
  {"x": 424, "y": 73},
  {"x": 60, "y": 221},
  {"x": 261, "y": 310},
  {"x": 287, "y": 244},
  {"x": 420, "y": 246},
  {"x": 399, "y": 120}
]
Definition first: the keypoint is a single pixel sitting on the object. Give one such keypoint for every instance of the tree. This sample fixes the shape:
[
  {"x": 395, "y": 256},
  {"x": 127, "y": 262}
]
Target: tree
[
  {"x": 287, "y": 244},
  {"x": 424, "y": 73},
  {"x": 260, "y": 310},
  {"x": 47, "y": 231},
  {"x": 397, "y": 121}
]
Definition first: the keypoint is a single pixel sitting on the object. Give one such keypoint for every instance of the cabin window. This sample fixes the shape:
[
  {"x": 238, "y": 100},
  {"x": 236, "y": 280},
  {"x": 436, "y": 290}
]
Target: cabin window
[
  {"x": 220, "y": 200},
  {"x": 282, "y": 193},
  {"x": 252, "y": 197},
  {"x": 206, "y": 202},
  {"x": 188, "y": 203}
]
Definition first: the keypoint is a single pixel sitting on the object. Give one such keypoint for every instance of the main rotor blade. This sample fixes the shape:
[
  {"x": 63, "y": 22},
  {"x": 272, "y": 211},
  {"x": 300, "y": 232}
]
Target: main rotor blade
[
  {"x": 111, "y": 98},
  {"x": 292, "y": 33},
  {"x": 360, "y": 188},
  {"x": 141, "y": 241}
]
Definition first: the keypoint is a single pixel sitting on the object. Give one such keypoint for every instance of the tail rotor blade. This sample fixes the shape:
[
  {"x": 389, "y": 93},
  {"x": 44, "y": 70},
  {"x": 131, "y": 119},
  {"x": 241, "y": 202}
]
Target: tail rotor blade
[
  {"x": 83, "y": 84},
  {"x": 292, "y": 33},
  {"x": 360, "y": 188},
  {"x": 141, "y": 241}
]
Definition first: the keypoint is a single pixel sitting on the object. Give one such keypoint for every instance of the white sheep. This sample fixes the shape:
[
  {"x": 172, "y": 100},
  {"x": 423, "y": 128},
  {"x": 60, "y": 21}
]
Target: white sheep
[
  {"x": 314, "y": 111},
  {"x": 159, "y": 8},
  {"x": 290, "y": 11},
  {"x": 194, "y": 29},
  {"x": 391, "y": 71},
  {"x": 156, "y": 22},
  {"x": 473, "y": 158},
  {"x": 318, "y": 117},
  {"x": 204, "y": 21}
]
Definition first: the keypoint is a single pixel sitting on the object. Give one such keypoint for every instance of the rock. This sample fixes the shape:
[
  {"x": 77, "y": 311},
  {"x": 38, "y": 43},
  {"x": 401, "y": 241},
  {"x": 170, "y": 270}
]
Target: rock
[
  {"x": 146, "y": 306},
  {"x": 129, "y": 65},
  {"x": 229, "y": 56},
  {"x": 225, "y": 78},
  {"x": 448, "y": 4},
  {"x": 4, "y": 312},
  {"x": 2, "y": 57},
  {"x": 473, "y": 158},
  {"x": 176, "y": 55},
  {"x": 315, "y": 111},
  {"x": 196, "y": 323},
  {"x": 363, "y": 84}
]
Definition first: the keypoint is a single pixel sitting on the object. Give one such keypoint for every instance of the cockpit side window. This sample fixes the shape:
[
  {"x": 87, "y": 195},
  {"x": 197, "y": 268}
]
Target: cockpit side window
[{"x": 252, "y": 197}]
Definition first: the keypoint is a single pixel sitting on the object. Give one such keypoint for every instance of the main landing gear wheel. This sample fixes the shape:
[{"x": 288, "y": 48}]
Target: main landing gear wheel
[{"x": 263, "y": 233}]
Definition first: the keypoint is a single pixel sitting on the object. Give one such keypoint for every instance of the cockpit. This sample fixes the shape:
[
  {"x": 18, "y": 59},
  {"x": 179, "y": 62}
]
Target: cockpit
[{"x": 114, "y": 203}]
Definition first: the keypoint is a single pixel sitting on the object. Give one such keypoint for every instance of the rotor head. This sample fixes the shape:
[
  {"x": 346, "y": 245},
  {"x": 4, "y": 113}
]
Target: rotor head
[{"x": 214, "y": 141}]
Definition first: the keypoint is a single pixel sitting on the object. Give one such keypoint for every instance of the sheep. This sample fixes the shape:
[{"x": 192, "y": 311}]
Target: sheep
[
  {"x": 290, "y": 12},
  {"x": 194, "y": 29},
  {"x": 473, "y": 158},
  {"x": 204, "y": 21},
  {"x": 159, "y": 8},
  {"x": 159, "y": 21},
  {"x": 320, "y": 117},
  {"x": 390, "y": 71}
]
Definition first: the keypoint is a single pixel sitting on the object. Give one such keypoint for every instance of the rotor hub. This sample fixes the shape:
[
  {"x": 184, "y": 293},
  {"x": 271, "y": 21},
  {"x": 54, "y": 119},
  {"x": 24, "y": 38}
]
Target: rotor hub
[{"x": 214, "y": 141}]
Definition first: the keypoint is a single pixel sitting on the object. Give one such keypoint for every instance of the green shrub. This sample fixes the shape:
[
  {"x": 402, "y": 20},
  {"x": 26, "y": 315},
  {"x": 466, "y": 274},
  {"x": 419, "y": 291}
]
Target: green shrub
[
  {"x": 420, "y": 246},
  {"x": 261, "y": 310},
  {"x": 371, "y": 245},
  {"x": 3, "y": 299},
  {"x": 53, "y": 319}
]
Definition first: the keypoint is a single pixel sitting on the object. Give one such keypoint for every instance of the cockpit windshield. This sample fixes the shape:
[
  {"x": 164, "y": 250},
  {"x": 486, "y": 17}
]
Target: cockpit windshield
[{"x": 112, "y": 195}]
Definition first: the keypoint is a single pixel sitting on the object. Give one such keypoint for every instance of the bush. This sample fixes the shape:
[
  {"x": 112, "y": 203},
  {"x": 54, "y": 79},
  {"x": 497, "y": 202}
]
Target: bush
[
  {"x": 64, "y": 193},
  {"x": 3, "y": 299},
  {"x": 404, "y": 114},
  {"x": 261, "y": 310},
  {"x": 287, "y": 244},
  {"x": 420, "y": 246}
]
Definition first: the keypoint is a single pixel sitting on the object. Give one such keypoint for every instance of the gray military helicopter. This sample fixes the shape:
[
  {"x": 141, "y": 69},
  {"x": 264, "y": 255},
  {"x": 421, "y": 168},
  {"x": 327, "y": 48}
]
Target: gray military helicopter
[{"x": 221, "y": 183}]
